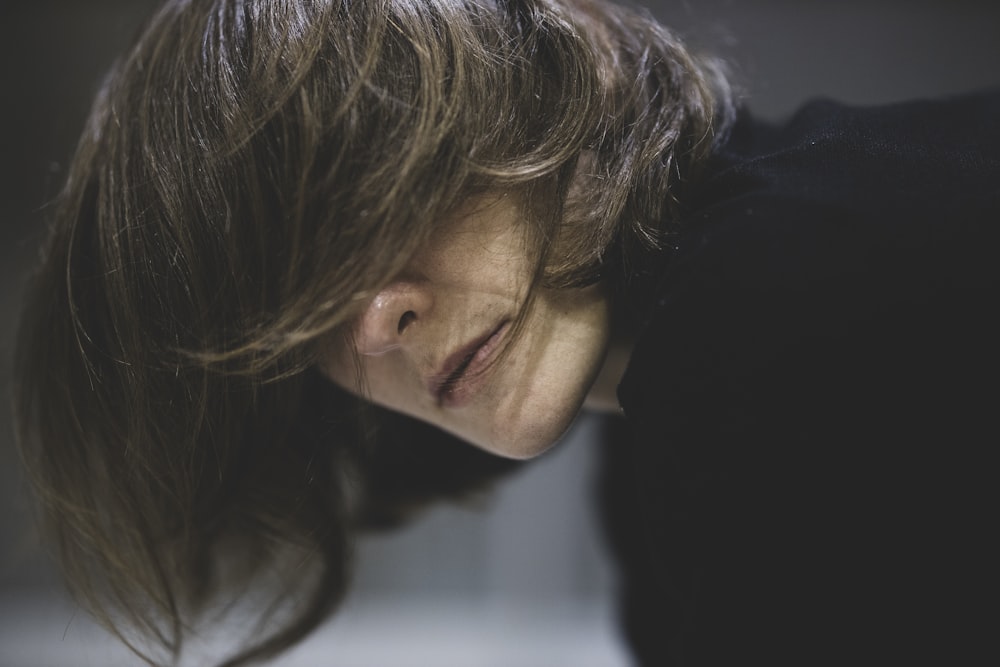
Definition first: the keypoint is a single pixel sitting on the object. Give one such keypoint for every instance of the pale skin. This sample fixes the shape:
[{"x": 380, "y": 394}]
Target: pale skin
[{"x": 427, "y": 340}]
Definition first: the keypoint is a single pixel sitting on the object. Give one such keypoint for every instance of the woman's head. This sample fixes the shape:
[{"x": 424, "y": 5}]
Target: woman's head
[{"x": 255, "y": 176}]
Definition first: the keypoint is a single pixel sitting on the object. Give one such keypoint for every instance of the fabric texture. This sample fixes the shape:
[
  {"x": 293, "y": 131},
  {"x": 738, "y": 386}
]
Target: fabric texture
[{"x": 806, "y": 470}]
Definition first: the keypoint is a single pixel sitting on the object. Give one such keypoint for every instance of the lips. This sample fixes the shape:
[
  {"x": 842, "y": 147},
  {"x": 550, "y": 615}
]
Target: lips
[{"x": 462, "y": 374}]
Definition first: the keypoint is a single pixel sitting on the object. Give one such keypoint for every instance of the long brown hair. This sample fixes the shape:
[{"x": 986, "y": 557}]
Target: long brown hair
[{"x": 252, "y": 172}]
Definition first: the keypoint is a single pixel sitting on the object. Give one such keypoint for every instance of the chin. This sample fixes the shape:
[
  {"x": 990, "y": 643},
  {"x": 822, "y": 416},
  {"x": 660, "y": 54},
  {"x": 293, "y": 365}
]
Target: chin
[
  {"x": 529, "y": 435},
  {"x": 520, "y": 449}
]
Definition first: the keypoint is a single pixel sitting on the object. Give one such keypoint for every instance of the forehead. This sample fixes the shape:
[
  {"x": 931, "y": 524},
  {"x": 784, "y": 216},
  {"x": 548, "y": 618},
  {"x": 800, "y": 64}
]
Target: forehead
[{"x": 485, "y": 231}]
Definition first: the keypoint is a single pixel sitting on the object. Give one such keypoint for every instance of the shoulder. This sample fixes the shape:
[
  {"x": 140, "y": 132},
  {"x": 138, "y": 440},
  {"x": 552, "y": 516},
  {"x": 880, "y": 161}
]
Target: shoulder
[
  {"x": 904, "y": 156},
  {"x": 848, "y": 246}
]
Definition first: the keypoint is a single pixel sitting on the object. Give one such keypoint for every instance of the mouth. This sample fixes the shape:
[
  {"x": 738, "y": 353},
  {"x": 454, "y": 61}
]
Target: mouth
[{"x": 462, "y": 374}]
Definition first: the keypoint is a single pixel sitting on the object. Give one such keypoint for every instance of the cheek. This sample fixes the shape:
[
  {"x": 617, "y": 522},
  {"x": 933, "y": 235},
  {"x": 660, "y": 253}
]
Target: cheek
[{"x": 386, "y": 385}]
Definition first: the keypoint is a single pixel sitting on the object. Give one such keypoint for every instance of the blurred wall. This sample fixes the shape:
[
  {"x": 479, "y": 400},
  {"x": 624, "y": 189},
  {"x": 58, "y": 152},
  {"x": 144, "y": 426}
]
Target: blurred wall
[
  {"x": 52, "y": 56},
  {"x": 540, "y": 535},
  {"x": 856, "y": 51}
]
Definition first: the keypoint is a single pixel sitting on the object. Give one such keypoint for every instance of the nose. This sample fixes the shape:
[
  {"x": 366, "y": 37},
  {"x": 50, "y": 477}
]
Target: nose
[{"x": 392, "y": 316}]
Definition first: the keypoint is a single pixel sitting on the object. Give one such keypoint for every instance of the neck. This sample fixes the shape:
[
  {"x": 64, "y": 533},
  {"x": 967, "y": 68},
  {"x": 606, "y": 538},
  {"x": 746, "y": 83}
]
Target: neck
[
  {"x": 625, "y": 325},
  {"x": 603, "y": 395}
]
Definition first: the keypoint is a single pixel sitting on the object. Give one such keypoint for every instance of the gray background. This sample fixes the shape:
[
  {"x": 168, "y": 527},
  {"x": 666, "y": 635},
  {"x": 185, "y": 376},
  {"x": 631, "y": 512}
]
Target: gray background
[{"x": 523, "y": 581}]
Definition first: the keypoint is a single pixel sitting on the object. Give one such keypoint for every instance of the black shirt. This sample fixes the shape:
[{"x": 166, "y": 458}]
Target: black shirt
[{"x": 807, "y": 470}]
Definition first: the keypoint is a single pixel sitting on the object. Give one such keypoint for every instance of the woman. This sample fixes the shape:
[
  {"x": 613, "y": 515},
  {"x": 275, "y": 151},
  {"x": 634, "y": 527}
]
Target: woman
[{"x": 474, "y": 214}]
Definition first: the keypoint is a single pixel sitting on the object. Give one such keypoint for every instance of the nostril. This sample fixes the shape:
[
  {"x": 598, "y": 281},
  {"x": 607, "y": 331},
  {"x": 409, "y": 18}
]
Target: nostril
[{"x": 405, "y": 320}]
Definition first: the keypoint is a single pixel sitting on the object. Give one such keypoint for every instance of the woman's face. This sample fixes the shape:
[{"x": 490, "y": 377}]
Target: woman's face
[{"x": 426, "y": 341}]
